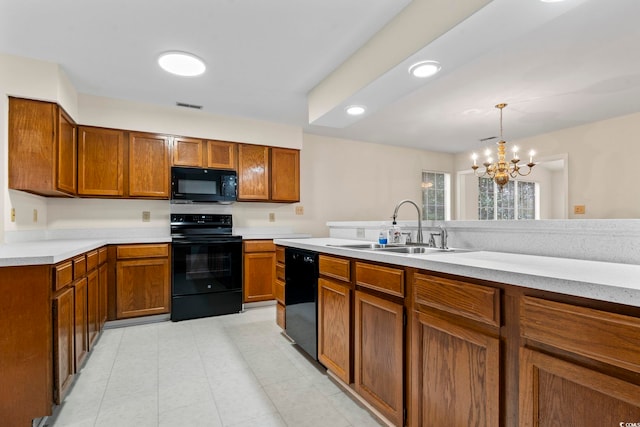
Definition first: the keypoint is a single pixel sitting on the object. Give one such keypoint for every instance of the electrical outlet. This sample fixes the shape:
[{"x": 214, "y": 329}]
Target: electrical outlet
[
  {"x": 360, "y": 233},
  {"x": 272, "y": 217},
  {"x": 579, "y": 209},
  {"x": 146, "y": 216},
  {"x": 299, "y": 210},
  {"x": 13, "y": 214},
  {"x": 35, "y": 215}
]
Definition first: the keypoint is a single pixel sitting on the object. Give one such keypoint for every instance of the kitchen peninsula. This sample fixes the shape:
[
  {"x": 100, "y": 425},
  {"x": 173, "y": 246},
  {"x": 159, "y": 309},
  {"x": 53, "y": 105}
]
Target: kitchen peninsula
[{"x": 480, "y": 337}]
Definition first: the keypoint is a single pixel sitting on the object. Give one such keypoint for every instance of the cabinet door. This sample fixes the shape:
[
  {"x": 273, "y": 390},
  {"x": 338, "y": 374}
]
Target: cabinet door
[
  {"x": 378, "y": 347},
  {"x": 63, "y": 343},
  {"x": 285, "y": 175},
  {"x": 67, "y": 153},
  {"x": 253, "y": 172},
  {"x": 100, "y": 162},
  {"x": 221, "y": 154},
  {"x": 142, "y": 287},
  {"x": 149, "y": 165},
  {"x": 455, "y": 374},
  {"x": 555, "y": 392},
  {"x": 188, "y": 152},
  {"x": 259, "y": 273},
  {"x": 102, "y": 295},
  {"x": 334, "y": 326},
  {"x": 93, "y": 298},
  {"x": 41, "y": 148},
  {"x": 81, "y": 321}
]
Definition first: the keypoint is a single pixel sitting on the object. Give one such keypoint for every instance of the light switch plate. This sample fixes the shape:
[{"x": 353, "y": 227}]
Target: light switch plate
[
  {"x": 146, "y": 216},
  {"x": 13, "y": 214},
  {"x": 299, "y": 210},
  {"x": 579, "y": 209},
  {"x": 272, "y": 217},
  {"x": 35, "y": 215}
]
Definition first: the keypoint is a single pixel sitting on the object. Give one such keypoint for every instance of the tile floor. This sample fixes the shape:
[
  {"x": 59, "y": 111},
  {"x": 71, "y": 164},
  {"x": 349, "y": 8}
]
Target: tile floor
[{"x": 236, "y": 370}]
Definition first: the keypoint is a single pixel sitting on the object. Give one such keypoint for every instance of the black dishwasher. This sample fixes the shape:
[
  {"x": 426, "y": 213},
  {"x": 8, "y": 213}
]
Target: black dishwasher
[{"x": 300, "y": 297}]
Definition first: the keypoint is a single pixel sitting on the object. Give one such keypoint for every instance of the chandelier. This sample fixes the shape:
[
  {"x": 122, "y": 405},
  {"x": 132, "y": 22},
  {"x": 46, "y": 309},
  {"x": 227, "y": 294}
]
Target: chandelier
[{"x": 501, "y": 170}]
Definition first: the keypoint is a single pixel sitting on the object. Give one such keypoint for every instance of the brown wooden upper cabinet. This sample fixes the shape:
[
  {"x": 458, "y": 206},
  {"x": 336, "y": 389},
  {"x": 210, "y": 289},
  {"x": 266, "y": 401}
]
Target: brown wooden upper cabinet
[
  {"x": 268, "y": 174},
  {"x": 253, "y": 172},
  {"x": 149, "y": 165},
  {"x": 42, "y": 148},
  {"x": 100, "y": 162},
  {"x": 221, "y": 154},
  {"x": 285, "y": 175},
  {"x": 198, "y": 153},
  {"x": 188, "y": 152}
]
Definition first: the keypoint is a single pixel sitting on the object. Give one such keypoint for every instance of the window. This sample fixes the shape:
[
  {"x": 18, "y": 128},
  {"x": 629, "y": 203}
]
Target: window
[
  {"x": 516, "y": 200},
  {"x": 435, "y": 196}
]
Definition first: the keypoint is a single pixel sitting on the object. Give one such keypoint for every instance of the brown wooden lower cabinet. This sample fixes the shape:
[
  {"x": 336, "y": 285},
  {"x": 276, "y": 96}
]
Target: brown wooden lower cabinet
[
  {"x": 143, "y": 287},
  {"x": 455, "y": 374},
  {"x": 554, "y": 392},
  {"x": 63, "y": 343},
  {"x": 26, "y": 345},
  {"x": 259, "y": 267},
  {"x": 93, "y": 301},
  {"x": 103, "y": 289},
  {"x": 334, "y": 327},
  {"x": 81, "y": 323},
  {"x": 379, "y": 353}
]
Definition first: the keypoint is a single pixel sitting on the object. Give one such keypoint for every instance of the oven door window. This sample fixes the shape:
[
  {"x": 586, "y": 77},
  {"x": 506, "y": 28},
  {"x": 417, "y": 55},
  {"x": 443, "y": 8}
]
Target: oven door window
[{"x": 204, "y": 268}]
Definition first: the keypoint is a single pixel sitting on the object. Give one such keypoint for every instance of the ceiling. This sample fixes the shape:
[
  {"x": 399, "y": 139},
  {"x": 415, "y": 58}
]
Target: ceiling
[{"x": 557, "y": 65}]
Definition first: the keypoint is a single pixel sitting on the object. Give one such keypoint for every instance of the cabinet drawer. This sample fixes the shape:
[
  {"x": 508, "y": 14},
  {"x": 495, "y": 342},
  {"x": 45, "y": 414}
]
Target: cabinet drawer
[
  {"x": 142, "y": 251},
  {"x": 102, "y": 255},
  {"x": 280, "y": 272},
  {"x": 607, "y": 337},
  {"x": 79, "y": 267},
  {"x": 337, "y": 268},
  {"x": 385, "y": 279},
  {"x": 259, "y": 246},
  {"x": 92, "y": 260},
  {"x": 476, "y": 302},
  {"x": 278, "y": 290},
  {"x": 280, "y": 254},
  {"x": 63, "y": 275}
]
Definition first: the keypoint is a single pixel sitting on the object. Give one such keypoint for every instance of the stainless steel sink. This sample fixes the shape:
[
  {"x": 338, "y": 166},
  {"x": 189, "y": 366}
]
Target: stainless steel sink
[{"x": 410, "y": 248}]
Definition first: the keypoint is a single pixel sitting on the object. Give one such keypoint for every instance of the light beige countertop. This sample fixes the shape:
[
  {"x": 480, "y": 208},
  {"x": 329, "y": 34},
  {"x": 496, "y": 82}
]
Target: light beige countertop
[
  {"x": 52, "y": 251},
  {"x": 605, "y": 281}
]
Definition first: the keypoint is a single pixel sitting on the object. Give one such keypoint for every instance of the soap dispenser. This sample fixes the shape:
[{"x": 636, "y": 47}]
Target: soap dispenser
[
  {"x": 383, "y": 236},
  {"x": 395, "y": 233}
]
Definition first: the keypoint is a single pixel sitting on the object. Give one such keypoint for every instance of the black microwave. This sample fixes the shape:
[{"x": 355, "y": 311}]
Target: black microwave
[{"x": 189, "y": 185}]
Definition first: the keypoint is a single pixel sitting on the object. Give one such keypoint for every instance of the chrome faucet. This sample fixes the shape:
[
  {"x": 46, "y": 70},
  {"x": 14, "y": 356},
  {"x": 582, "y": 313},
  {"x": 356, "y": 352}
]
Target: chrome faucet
[
  {"x": 395, "y": 214},
  {"x": 443, "y": 238}
]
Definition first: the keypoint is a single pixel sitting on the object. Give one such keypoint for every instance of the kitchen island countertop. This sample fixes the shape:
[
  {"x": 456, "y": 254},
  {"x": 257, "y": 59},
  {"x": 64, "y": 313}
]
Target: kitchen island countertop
[{"x": 605, "y": 281}]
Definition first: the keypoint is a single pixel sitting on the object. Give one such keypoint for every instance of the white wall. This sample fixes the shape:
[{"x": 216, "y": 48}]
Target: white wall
[
  {"x": 122, "y": 114},
  {"x": 345, "y": 180}
]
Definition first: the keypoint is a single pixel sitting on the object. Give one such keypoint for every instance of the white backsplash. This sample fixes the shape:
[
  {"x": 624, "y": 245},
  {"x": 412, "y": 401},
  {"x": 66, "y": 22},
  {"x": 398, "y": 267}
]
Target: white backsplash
[{"x": 616, "y": 240}]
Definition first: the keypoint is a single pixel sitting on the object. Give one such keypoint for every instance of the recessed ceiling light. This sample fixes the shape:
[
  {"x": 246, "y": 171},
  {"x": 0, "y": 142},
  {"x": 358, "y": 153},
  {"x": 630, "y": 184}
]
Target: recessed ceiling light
[
  {"x": 424, "y": 69},
  {"x": 181, "y": 63},
  {"x": 355, "y": 110}
]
